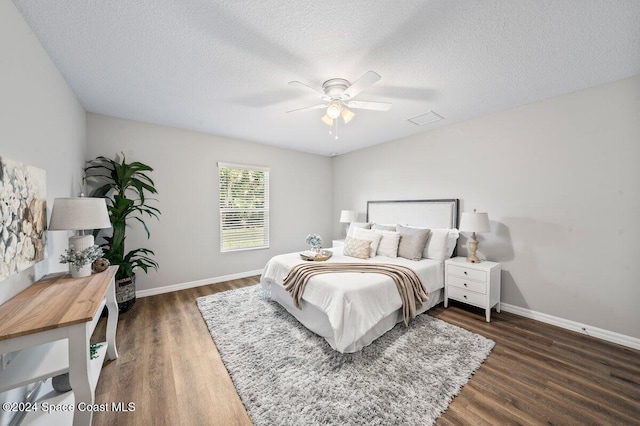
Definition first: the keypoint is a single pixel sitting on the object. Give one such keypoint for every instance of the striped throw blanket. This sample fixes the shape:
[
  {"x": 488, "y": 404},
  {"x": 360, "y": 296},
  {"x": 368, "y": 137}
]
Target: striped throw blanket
[{"x": 409, "y": 287}]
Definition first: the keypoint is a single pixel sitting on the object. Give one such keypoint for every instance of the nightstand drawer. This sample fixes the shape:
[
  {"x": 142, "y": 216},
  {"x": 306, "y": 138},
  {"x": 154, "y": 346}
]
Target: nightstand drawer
[
  {"x": 466, "y": 296},
  {"x": 467, "y": 273},
  {"x": 465, "y": 284}
]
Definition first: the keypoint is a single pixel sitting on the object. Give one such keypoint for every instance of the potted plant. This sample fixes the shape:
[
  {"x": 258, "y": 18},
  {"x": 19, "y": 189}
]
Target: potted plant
[
  {"x": 126, "y": 187},
  {"x": 80, "y": 260}
]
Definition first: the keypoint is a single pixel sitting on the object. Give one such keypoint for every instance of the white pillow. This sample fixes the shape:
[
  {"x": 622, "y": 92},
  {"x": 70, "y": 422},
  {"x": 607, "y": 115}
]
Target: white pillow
[
  {"x": 452, "y": 240},
  {"x": 441, "y": 244},
  {"x": 355, "y": 225},
  {"x": 366, "y": 234},
  {"x": 388, "y": 243},
  {"x": 381, "y": 227}
]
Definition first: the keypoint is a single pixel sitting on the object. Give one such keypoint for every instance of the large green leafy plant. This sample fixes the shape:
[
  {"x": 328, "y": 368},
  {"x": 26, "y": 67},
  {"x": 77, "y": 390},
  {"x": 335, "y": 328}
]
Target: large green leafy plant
[{"x": 126, "y": 188}]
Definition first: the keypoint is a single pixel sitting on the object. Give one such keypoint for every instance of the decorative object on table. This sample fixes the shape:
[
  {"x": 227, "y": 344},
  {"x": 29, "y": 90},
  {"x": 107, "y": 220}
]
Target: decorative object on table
[
  {"x": 315, "y": 241},
  {"x": 79, "y": 214},
  {"x": 314, "y": 256},
  {"x": 423, "y": 366},
  {"x": 126, "y": 188},
  {"x": 347, "y": 216},
  {"x": 23, "y": 216},
  {"x": 80, "y": 261},
  {"x": 100, "y": 264},
  {"x": 474, "y": 222}
]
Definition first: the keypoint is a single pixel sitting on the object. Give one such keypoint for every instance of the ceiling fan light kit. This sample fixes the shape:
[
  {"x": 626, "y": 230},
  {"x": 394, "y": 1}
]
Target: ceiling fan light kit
[
  {"x": 334, "y": 109},
  {"x": 338, "y": 94},
  {"x": 347, "y": 115}
]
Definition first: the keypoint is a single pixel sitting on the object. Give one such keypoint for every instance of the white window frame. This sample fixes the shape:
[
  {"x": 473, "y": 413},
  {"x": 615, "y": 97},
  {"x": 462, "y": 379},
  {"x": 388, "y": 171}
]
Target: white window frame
[{"x": 225, "y": 211}]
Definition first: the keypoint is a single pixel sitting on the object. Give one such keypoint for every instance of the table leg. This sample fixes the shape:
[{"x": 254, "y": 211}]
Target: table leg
[
  {"x": 80, "y": 373},
  {"x": 112, "y": 321}
]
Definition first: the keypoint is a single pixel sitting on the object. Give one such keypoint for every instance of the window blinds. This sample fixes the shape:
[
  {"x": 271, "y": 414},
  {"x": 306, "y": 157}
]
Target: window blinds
[{"x": 244, "y": 207}]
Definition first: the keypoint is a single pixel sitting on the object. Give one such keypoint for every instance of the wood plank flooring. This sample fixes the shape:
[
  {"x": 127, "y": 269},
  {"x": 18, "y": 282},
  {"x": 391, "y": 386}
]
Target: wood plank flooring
[{"x": 536, "y": 374}]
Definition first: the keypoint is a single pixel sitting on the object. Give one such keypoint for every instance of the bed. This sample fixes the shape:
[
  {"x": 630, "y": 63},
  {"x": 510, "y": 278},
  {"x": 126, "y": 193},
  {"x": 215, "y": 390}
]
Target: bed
[{"x": 351, "y": 310}]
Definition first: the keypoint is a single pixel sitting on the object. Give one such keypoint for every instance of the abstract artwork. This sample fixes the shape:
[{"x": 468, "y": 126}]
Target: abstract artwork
[{"x": 23, "y": 216}]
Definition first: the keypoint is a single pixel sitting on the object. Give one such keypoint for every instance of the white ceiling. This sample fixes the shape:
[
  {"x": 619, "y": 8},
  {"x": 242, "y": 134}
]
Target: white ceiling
[{"x": 222, "y": 67}]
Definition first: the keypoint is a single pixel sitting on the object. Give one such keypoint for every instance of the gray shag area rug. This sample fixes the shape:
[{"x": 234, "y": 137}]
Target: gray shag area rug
[{"x": 288, "y": 375}]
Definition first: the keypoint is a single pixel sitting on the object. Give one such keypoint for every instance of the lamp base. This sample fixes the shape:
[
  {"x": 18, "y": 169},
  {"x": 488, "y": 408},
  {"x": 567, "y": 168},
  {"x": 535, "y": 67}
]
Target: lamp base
[
  {"x": 473, "y": 247},
  {"x": 77, "y": 243},
  {"x": 80, "y": 242}
]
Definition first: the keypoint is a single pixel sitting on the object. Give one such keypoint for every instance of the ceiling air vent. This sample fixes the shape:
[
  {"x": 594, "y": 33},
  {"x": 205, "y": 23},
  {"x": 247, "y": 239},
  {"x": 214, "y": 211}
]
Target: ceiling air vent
[{"x": 427, "y": 118}]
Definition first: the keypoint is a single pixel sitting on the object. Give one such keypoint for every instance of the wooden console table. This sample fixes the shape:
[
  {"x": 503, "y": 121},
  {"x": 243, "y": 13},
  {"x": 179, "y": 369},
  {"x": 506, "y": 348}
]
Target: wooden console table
[{"x": 51, "y": 323}]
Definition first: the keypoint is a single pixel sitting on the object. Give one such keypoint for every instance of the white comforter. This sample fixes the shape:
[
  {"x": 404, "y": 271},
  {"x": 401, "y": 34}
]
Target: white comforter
[{"x": 353, "y": 302}]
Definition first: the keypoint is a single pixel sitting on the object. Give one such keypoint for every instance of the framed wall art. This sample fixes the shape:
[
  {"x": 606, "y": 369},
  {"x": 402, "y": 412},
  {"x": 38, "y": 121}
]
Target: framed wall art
[{"x": 23, "y": 216}]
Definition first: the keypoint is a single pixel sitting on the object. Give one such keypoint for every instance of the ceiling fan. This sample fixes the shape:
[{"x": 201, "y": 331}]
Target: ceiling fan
[{"x": 338, "y": 96}]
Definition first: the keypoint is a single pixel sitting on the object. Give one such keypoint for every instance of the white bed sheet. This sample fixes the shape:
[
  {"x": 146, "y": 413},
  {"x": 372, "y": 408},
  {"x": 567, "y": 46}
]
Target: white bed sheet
[{"x": 350, "y": 310}]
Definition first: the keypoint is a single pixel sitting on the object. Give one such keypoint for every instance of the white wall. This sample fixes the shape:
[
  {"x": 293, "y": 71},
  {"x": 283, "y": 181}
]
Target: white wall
[
  {"x": 186, "y": 238},
  {"x": 560, "y": 180},
  {"x": 41, "y": 124}
]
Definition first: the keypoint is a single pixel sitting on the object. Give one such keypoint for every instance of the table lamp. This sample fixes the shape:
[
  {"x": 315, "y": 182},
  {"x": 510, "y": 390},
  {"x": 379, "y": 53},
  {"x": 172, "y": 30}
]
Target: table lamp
[
  {"x": 474, "y": 222},
  {"x": 347, "y": 216},
  {"x": 79, "y": 214}
]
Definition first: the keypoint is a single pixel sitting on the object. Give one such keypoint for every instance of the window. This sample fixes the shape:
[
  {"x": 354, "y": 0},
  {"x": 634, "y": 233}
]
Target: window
[{"x": 244, "y": 207}]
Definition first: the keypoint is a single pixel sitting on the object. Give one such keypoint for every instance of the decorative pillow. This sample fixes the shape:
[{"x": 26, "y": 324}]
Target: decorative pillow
[
  {"x": 441, "y": 244},
  {"x": 452, "y": 241},
  {"x": 356, "y": 248},
  {"x": 366, "y": 234},
  {"x": 412, "y": 242},
  {"x": 355, "y": 225},
  {"x": 388, "y": 243},
  {"x": 379, "y": 227}
]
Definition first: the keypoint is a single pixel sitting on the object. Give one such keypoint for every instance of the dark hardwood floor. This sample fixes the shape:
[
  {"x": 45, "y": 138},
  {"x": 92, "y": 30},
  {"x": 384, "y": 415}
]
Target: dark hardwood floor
[{"x": 536, "y": 374}]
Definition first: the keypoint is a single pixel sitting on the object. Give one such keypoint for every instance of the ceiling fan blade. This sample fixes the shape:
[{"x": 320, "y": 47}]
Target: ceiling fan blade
[
  {"x": 308, "y": 108},
  {"x": 309, "y": 89},
  {"x": 375, "y": 106},
  {"x": 369, "y": 78}
]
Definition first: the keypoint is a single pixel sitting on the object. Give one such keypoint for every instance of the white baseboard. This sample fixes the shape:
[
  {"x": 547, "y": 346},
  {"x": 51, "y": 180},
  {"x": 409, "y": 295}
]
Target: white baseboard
[
  {"x": 191, "y": 284},
  {"x": 609, "y": 336},
  {"x": 600, "y": 333}
]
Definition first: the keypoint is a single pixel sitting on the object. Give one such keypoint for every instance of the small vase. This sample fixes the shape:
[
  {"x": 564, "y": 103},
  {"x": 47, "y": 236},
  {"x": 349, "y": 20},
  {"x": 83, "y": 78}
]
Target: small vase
[
  {"x": 317, "y": 249},
  {"x": 84, "y": 271}
]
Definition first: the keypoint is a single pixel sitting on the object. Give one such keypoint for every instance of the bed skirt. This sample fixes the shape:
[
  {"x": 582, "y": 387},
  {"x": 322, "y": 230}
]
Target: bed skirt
[{"x": 318, "y": 322}]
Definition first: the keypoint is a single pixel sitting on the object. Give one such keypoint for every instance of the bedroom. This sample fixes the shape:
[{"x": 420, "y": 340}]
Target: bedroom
[{"x": 556, "y": 172}]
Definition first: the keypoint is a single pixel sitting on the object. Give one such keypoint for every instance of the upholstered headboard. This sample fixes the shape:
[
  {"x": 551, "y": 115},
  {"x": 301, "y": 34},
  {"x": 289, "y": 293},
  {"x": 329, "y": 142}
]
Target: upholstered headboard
[
  {"x": 421, "y": 213},
  {"x": 432, "y": 214}
]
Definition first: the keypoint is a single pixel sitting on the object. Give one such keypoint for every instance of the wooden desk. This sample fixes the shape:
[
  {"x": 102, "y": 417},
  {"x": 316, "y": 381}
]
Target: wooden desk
[{"x": 52, "y": 322}]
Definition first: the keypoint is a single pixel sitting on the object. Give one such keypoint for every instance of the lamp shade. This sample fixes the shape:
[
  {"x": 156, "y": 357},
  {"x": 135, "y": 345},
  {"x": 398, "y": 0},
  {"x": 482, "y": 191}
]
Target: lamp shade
[
  {"x": 474, "y": 222},
  {"x": 347, "y": 216},
  {"x": 75, "y": 214}
]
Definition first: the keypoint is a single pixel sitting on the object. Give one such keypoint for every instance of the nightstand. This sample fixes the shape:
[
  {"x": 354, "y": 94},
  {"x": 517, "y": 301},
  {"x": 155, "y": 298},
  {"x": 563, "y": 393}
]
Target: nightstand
[
  {"x": 477, "y": 284},
  {"x": 337, "y": 243}
]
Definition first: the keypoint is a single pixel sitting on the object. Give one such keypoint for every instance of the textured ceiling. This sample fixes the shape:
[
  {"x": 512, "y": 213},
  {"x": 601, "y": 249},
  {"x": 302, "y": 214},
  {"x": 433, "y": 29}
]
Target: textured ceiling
[{"x": 222, "y": 67}]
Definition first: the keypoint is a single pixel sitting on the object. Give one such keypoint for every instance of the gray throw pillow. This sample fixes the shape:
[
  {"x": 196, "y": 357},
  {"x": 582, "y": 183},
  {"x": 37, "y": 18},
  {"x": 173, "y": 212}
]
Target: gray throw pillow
[{"x": 412, "y": 241}]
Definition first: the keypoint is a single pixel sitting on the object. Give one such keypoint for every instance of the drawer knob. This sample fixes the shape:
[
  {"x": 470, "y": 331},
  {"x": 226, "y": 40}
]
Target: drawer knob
[
  {"x": 465, "y": 284},
  {"x": 465, "y": 296},
  {"x": 465, "y": 272}
]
